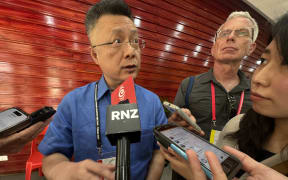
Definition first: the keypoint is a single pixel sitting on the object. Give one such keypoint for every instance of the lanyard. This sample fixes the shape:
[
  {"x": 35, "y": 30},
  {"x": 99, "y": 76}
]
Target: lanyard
[
  {"x": 214, "y": 107},
  {"x": 98, "y": 133}
]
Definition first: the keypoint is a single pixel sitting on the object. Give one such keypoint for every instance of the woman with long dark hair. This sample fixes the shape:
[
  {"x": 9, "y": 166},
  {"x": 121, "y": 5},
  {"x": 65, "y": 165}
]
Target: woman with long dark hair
[{"x": 262, "y": 132}]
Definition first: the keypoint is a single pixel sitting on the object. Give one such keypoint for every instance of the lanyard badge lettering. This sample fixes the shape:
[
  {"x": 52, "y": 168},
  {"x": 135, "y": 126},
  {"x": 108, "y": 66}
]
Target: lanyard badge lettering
[
  {"x": 98, "y": 133},
  {"x": 214, "y": 134}
]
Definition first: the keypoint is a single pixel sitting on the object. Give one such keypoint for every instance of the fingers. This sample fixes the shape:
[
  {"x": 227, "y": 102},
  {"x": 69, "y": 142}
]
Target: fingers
[
  {"x": 175, "y": 155},
  {"x": 167, "y": 155},
  {"x": 215, "y": 166},
  {"x": 247, "y": 162},
  {"x": 176, "y": 118},
  {"x": 188, "y": 112},
  {"x": 195, "y": 166},
  {"x": 99, "y": 169}
]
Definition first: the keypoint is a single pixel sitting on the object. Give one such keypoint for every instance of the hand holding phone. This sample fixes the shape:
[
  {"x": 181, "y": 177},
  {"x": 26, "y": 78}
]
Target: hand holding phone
[
  {"x": 180, "y": 139},
  {"x": 14, "y": 119},
  {"x": 173, "y": 108}
]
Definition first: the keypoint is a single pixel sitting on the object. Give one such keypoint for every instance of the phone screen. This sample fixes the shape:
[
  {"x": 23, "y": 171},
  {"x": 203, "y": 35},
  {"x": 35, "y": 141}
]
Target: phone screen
[{"x": 186, "y": 140}]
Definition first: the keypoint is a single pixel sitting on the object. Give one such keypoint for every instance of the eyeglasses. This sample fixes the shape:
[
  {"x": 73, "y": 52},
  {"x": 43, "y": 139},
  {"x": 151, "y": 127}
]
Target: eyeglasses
[
  {"x": 232, "y": 106},
  {"x": 135, "y": 43},
  {"x": 237, "y": 32}
]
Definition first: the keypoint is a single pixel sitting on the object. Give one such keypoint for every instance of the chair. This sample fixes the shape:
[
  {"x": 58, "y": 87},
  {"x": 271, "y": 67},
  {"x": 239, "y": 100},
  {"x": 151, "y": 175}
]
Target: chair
[{"x": 35, "y": 159}]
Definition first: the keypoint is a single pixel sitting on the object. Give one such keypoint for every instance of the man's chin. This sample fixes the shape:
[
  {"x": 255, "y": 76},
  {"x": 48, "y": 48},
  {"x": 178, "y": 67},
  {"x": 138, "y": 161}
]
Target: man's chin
[{"x": 128, "y": 74}]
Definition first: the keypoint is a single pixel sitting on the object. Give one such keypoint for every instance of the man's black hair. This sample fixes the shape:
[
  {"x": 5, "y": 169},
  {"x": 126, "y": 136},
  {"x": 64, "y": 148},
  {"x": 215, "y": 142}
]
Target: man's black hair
[{"x": 104, "y": 7}]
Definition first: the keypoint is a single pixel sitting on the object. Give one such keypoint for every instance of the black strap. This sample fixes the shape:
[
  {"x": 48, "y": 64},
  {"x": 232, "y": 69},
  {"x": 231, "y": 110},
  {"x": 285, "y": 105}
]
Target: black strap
[
  {"x": 98, "y": 130},
  {"x": 189, "y": 89}
]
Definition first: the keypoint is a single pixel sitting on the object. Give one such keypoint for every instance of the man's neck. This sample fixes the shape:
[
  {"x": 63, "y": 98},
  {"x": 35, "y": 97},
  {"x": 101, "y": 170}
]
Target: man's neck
[
  {"x": 112, "y": 85},
  {"x": 226, "y": 75}
]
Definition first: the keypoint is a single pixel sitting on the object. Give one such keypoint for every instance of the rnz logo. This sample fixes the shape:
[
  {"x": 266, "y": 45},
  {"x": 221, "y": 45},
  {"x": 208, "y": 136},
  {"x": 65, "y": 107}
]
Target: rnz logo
[
  {"x": 125, "y": 114},
  {"x": 121, "y": 93}
]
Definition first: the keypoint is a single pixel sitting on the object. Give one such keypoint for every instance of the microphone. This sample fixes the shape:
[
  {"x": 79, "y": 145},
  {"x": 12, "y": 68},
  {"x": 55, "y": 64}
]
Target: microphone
[{"x": 123, "y": 125}]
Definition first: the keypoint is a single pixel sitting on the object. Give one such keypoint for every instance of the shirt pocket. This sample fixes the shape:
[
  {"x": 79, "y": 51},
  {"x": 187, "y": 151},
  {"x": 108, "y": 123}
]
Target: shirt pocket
[{"x": 200, "y": 106}]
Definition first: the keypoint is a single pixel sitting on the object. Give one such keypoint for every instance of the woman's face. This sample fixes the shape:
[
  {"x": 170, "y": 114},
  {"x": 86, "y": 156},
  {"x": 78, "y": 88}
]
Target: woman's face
[{"x": 269, "y": 86}]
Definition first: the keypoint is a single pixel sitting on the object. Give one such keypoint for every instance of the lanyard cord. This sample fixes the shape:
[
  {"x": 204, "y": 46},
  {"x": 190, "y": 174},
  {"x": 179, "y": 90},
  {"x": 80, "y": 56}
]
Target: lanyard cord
[
  {"x": 98, "y": 133},
  {"x": 214, "y": 106}
]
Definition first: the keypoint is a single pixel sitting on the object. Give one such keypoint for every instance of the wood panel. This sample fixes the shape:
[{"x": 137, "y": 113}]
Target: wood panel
[{"x": 45, "y": 53}]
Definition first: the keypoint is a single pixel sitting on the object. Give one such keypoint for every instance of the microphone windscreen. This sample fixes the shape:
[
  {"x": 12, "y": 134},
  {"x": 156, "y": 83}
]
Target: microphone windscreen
[{"x": 124, "y": 93}]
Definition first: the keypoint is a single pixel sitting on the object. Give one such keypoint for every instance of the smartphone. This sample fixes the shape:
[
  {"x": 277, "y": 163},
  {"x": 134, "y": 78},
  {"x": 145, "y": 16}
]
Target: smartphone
[
  {"x": 14, "y": 119},
  {"x": 181, "y": 139},
  {"x": 173, "y": 108}
]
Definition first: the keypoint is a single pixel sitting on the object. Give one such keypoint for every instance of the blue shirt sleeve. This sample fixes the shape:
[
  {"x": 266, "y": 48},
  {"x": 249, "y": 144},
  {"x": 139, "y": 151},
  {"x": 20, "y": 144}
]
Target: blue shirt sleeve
[{"x": 58, "y": 138}]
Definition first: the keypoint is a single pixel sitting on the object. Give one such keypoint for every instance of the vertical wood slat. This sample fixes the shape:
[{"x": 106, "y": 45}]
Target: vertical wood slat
[{"x": 44, "y": 51}]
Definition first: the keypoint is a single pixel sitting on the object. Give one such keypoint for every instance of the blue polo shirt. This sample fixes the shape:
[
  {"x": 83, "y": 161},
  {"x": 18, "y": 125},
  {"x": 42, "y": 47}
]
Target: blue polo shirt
[{"x": 73, "y": 129}]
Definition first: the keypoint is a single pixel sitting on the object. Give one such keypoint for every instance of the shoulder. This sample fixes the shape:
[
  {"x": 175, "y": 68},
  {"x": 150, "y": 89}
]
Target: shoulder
[
  {"x": 185, "y": 81},
  {"x": 244, "y": 80},
  {"x": 79, "y": 92},
  {"x": 204, "y": 75},
  {"x": 231, "y": 127},
  {"x": 203, "y": 78}
]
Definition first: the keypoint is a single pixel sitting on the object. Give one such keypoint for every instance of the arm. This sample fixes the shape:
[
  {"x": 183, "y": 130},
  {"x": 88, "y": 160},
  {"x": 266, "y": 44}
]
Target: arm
[
  {"x": 156, "y": 166},
  {"x": 58, "y": 167},
  {"x": 181, "y": 92},
  {"x": 15, "y": 142},
  {"x": 255, "y": 169}
]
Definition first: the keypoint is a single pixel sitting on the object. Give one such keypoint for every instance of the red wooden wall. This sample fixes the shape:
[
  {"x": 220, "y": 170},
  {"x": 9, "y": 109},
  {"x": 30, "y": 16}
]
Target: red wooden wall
[{"x": 44, "y": 51}]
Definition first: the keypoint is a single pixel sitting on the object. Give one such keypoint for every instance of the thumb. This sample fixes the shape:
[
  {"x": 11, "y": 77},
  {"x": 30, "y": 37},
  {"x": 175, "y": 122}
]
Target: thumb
[{"x": 215, "y": 166}]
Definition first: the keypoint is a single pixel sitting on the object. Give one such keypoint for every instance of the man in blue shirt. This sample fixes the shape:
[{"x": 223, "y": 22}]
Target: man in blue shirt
[{"x": 116, "y": 48}]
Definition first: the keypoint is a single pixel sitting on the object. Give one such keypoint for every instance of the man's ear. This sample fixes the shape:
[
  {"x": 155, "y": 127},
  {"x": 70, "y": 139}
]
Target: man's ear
[
  {"x": 213, "y": 49},
  {"x": 252, "y": 48},
  {"x": 94, "y": 56}
]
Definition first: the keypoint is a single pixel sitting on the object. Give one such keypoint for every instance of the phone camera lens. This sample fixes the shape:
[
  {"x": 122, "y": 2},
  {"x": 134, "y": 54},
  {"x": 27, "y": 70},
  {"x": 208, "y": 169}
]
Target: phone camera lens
[{"x": 17, "y": 113}]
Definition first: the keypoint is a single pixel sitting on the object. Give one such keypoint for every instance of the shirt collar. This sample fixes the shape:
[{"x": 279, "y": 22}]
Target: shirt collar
[
  {"x": 209, "y": 77},
  {"x": 244, "y": 82},
  {"x": 102, "y": 87}
]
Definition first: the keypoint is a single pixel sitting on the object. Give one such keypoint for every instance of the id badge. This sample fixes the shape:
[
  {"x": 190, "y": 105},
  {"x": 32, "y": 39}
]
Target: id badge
[
  {"x": 111, "y": 160},
  {"x": 108, "y": 158},
  {"x": 214, "y": 136}
]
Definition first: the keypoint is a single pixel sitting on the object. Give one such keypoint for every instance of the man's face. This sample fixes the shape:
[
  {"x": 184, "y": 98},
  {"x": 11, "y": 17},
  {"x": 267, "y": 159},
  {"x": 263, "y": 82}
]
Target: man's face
[
  {"x": 233, "y": 42},
  {"x": 117, "y": 61}
]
